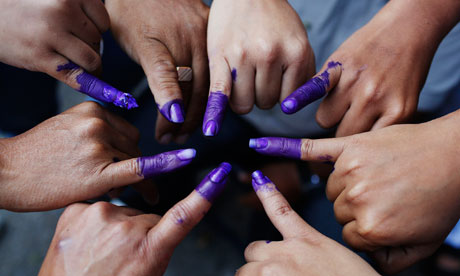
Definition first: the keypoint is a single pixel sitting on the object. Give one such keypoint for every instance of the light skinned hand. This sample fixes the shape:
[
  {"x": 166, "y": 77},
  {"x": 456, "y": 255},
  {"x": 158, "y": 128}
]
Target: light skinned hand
[
  {"x": 78, "y": 155},
  {"x": 303, "y": 250},
  {"x": 258, "y": 53},
  {"x": 103, "y": 239},
  {"x": 384, "y": 68},
  {"x": 160, "y": 35},
  {"x": 395, "y": 190},
  {"x": 60, "y": 38}
]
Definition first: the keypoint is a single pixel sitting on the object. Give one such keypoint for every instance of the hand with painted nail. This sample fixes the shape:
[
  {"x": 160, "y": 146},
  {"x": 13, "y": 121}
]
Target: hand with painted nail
[
  {"x": 60, "y": 38},
  {"x": 102, "y": 239},
  {"x": 258, "y": 54},
  {"x": 161, "y": 35},
  {"x": 78, "y": 155},
  {"x": 384, "y": 66},
  {"x": 303, "y": 250},
  {"x": 395, "y": 190}
]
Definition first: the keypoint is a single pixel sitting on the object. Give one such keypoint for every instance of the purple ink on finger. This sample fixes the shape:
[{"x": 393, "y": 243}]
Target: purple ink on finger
[
  {"x": 213, "y": 184},
  {"x": 276, "y": 146},
  {"x": 214, "y": 115},
  {"x": 234, "y": 74},
  {"x": 173, "y": 111},
  {"x": 312, "y": 90},
  {"x": 94, "y": 87},
  {"x": 165, "y": 162}
]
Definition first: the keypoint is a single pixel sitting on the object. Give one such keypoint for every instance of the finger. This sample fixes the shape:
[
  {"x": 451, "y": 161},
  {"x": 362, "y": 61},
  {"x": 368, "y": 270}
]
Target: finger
[
  {"x": 384, "y": 121},
  {"x": 97, "y": 13},
  {"x": 294, "y": 77},
  {"x": 394, "y": 259},
  {"x": 243, "y": 94},
  {"x": 259, "y": 251},
  {"x": 133, "y": 170},
  {"x": 160, "y": 68},
  {"x": 183, "y": 216},
  {"x": 268, "y": 85},
  {"x": 87, "y": 32},
  {"x": 356, "y": 120},
  {"x": 77, "y": 50},
  {"x": 313, "y": 89},
  {"x": 342, "y": 211},
  {"x": 148, "y": 220},
  {"x": 351, "y": 235},
  {"x": 121, "y": 143},
  {"x": 286, "y": 220},
  {"x": 250, "y": 269},
  {"x": 123, "y": 126},
  {"x": 74, "y": 76},
  {"x": 334, "y": 106},
  {"x": 148, "y": 190},
  {"x": 335, "y": 185},
  {"x": 221, "y": 86},
  {"x": 305, "y": 149}
]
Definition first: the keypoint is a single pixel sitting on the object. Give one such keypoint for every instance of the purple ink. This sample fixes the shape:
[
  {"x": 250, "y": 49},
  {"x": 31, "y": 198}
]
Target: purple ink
[
  {"x": 311, "y": 91},
  {"x": 173, "y": 111},
  {"x": 214, "y": 115},
  {"x": 165, "y": 162},
  {"x": 94, "y": 87},
  {"x": 268, "y": 241},
  {"x": 275, "y": 146},
  {"x": 213, "y": 184},
  {"x": 262, "y": 183},
  {"x": 234, "y": 74}
]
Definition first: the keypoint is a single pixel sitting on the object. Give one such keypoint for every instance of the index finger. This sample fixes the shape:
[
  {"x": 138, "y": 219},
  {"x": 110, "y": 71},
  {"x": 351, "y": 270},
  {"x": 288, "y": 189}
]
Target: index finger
[
  {"x": 183, "y": 216},
  {"x": 278, "y": 209},
  {"x": 324, "y": 150},
  {"x": 314, "y": 89}
]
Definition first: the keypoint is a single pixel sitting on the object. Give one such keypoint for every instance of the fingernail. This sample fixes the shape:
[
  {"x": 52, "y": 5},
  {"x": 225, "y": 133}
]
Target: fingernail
[
  {"x": 186, "y": 154},
  {"x": 213, "y": 184},
  {"x": 289, "y": 106},
  {"x": 259, "y": 178},
  {"x": 258, "y": 143},
  {"x": 277, "y": 146},
  {"x": 181, "y": 139},
  {"x": 215, "y": 111},
  {"x": 210, "y": 129},
  {"x": 176, "y": 113},
  {"x": 151, "y": 166},
  {"x": 173, "y": 111},
  {"x": 165, "y": 139}
]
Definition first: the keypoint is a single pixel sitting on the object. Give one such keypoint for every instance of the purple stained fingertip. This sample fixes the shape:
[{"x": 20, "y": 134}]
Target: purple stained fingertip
[
  {"x": 260, "y": 181},
  {"x": 213, "y": 184},
  {"x": 313, "y": 90},
  {"x": 165, "y": 162},
  {"x": 214, "y": 115},
  {"x": 100, "y": 90},
  {"x": 173, "y": 111},
  {"x": 276, "y": 146}
]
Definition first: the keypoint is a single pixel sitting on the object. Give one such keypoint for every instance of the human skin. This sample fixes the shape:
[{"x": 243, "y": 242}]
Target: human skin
[
  {"x": 258, "y": 53},
  {"x": 160, "y": 35},
  {"x": 103, "y": 239},
  {"x": 78, "y": 155},
  {"x": 303, "y": 250},
  {"x": 385, "y": 65},
  {"x": 46, "y": 35},
  {"x": 395, "y": 190}
]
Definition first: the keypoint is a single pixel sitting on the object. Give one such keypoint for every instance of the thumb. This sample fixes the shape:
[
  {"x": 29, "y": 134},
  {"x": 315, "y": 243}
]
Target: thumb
[
  {"x": 162, "y": 76},
  {"x": 182, "y": 217},
  {"x": 325, "y": 150},
  {"x": 280, "y": 213},
  {"x": 395, "y": 259},
  {"x": 80, "y": 80},
  {"x": 221, "y": 86},
  {"x": 133, "y": 170},
  {"x": 314, "y": 89}
]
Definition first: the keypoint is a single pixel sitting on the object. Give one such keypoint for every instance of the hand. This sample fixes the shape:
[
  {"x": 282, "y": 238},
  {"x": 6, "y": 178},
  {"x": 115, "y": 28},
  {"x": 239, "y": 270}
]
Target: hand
[
  {"x": 303, "y": 251},
  {"x": 258, "y": 53},
  {"x": 395, "y": 190},
  {"x": 160, "y": 35},
  {"x": 56, "y": 33},
  {"x": 385, "y": 65},
  {"x": 78, "y": 155},
  {"x": 102, "y": 239}
]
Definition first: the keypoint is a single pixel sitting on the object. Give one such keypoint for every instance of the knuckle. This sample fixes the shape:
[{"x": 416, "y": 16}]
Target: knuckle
[
  {"x": 101, "y": 209},
  {"x": 282, "y": 209},
  {"x": 92, "y": 126},
  {"x": 298, "y": 52},
  {"x": 182, "y": 214},
  {"x": 371, "y": 93},
  {"x": 220, "y": 85},
  {"x": 240, "y": 54},
  {"x": 269, "y": 269},
  {"x": 123, "y": 228},
  {"x": 267, "y": 52},
  {"x": 91, "y": 60},
  {"x": 356, "y": 194},
  {"x": 307, "y": 147}
]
